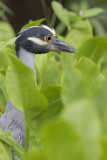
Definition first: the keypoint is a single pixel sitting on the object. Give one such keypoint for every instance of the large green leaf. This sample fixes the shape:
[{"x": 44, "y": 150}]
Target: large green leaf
[
  {"x": 5, "y": 48},
  {"x": 61, "y": 141},
  {"x": 85, "y": 120},
  {"x": 94, "y": 48},
  {"x": 6, "y": 31},
  {"x": 47, "y": 69},
  {"x": 23, "y": 93},
  {"x": 104, "y": 148},
  {"x": 77, "y": 35},
  {"x": 90, "y": 71},
  {"x": 92, "y": 12},
  {"x": 39, "y": 155},
  {"x": 74, "y": 85},
  {"x": 51, "y": 72},
  {"x": 52, "y": 93}
]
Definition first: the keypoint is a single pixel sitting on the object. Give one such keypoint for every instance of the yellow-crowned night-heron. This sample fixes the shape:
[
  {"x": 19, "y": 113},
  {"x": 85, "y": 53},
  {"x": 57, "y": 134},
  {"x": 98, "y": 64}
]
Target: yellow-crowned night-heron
[{"x": 31, "y": 41}]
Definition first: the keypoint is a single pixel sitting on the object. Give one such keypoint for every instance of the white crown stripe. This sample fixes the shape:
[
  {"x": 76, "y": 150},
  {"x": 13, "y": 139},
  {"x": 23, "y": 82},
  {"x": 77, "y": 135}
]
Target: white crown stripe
[
  {"x": 50, "y": 29},
  {"x": 43, "y": 26}
]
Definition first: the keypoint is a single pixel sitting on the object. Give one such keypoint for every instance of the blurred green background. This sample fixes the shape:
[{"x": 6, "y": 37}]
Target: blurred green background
[{"x": 21, "y": 11}]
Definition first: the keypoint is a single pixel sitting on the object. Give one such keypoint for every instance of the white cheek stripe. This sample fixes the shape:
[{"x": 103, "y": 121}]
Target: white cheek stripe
[{"x": 37, "y": 41}]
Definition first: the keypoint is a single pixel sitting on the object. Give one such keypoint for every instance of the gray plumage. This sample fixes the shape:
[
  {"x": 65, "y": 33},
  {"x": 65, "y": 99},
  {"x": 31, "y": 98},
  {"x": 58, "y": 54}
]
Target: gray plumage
[{"x": 13, "y": 120}]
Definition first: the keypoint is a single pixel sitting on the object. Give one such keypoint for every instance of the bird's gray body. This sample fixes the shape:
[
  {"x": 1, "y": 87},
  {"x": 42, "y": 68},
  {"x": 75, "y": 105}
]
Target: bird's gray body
[
  {"x": 31, "y": 41},
  {"x": 13, "y": 120}
]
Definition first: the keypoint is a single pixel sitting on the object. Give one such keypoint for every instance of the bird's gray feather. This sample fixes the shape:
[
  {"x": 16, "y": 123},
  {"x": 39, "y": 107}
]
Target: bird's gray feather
[{"x": 13, "y": 120}]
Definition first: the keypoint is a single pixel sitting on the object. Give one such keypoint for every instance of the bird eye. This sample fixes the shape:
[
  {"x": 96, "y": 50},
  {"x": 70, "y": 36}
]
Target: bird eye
[{"x": 48, "y": 38}]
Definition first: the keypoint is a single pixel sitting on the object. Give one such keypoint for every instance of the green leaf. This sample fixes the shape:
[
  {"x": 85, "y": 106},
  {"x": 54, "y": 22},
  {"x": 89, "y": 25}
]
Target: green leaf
[
  {"x": 78, "y": 36},
  {"x": 7, "y": 138},
  {"x": 39, "y": 155},
  {"x": 52, "y": 93},
  {"x": 3, "y": 93},
  {"x": 4, "y": 61},
  {"x": 90, "y": 71},
  {"x": 44, "y": 64},
  {"x": 6, "y": 31},
  {"x": 94, "y": 49},
  {"x": 61, "y": 141},
  {"x": 92, "y": 12},
  {"x": 79, "y": 24},
  {"x": 4, "y": 152},
  {"x": 5, "y": 8},
  {"x": 74, "y": 85},
  {"x": 98, "y": 27},
  {"x": 104, "y": 146},
  {"x": 61, "y": 13},
  {"x": 23, "y": 93},
  {"x": 33, "y": 23},
  {"x": 41, "y": 61},
  {"x": 50, "y": 75},
  {"x": 80, "y": 80},
  {"x": 83, "y": 116}
]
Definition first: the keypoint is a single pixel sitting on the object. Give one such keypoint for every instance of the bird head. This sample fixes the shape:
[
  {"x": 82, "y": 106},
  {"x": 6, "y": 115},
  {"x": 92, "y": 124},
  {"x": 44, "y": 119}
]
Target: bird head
[{"x": 41, "y": 39}]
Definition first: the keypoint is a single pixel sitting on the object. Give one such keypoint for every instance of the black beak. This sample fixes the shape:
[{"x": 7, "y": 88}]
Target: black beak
[{"x": 58, "y": 45}]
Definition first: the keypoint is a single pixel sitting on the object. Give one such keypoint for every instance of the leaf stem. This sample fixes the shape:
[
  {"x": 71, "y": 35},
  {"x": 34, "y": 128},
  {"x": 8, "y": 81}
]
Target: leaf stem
[{"x": 27, "y": 137}]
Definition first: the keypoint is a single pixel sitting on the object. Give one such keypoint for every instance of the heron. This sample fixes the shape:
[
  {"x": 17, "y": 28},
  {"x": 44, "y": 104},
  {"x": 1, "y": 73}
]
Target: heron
[{"x": 32, "y": 40}]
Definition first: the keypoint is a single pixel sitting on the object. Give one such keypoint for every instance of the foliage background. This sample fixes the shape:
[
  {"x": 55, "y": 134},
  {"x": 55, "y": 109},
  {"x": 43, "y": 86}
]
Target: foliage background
[{"x": 66, "y": 116}]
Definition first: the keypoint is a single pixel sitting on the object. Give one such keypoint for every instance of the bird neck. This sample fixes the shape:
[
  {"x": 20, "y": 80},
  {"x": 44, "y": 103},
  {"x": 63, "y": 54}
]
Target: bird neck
[{"x": 28, "y": 59}]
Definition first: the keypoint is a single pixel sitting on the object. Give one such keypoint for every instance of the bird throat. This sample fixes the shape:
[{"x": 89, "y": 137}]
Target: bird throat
[{"x": 28, "y": 59}]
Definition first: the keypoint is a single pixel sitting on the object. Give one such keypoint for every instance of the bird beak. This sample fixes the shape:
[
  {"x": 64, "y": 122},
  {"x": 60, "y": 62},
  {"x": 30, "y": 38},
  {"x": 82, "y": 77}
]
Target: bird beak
[{"x": 58, "y": 45}]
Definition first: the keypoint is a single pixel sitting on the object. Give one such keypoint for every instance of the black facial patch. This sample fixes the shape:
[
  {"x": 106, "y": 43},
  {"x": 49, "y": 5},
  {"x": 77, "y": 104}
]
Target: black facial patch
[{"x": 23, "y": 42}]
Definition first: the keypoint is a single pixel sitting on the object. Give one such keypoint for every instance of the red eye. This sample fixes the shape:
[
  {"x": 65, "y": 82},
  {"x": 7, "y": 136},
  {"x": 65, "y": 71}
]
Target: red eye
[{"x": 48, "y": 38}]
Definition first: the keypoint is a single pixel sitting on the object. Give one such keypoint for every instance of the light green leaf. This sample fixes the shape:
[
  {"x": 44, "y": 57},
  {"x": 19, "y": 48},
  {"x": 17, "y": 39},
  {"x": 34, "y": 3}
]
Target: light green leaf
[
  {"x": 6, "y": 31},
  {"x": 52, "y": 93},
  {"x": 61, "y": 13},
  {"x": 41, "y": 61},
  {"x": 23, "y": 93},
  {"x": 7, "y": 138},
  {"x": 4, "y": 152},
  {"x": 74, "y": 85},
  {"x": 94, "y": 49},
  {"x": 85, "y": 120},
  {"x": 98, "y": 27},
  {"x": 76, "y": 37},
  {"x": 79, "y": 24},
  {"x": 51, "y": 72},
  {"x": 61, "y": 141},
  {"x": 33, "y": 23},
  {"x": 4, "y": 60},
  {"x": 90, "y": 71},
  {"x": 46, "y": 74},
  {"x": 92, "y": 12}
]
